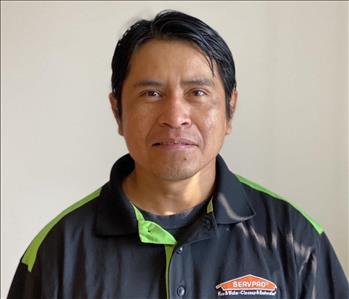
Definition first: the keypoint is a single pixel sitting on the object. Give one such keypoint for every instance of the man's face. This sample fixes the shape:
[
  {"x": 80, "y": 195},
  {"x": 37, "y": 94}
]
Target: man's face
[{"x": 173, "y": 110}]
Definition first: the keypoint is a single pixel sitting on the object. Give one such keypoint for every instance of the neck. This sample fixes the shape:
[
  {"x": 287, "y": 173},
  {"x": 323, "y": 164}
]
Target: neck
[{"x": 163, "y": 197}]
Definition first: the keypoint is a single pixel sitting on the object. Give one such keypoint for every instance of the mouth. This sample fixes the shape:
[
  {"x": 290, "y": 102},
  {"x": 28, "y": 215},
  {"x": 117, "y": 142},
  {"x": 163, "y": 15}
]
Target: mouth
[{"x": 175, "y": 143}]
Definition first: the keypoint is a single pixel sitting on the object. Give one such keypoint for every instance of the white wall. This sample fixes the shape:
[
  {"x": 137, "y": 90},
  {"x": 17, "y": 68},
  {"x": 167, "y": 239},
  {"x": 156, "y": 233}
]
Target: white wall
[{"x": 59, "y": 138}]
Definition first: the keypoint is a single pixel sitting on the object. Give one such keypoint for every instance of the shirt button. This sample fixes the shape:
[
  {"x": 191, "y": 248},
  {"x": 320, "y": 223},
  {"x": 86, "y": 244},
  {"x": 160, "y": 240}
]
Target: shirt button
[
  {"x": 180, "y": 291},
  {"x": 179, "y": 250},
  {"x": 207, "y": 223}
]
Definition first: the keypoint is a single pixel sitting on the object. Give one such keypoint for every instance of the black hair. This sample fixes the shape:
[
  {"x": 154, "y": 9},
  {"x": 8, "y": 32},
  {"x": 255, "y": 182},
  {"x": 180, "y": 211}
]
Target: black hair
[{"x": 167, "y": 25}]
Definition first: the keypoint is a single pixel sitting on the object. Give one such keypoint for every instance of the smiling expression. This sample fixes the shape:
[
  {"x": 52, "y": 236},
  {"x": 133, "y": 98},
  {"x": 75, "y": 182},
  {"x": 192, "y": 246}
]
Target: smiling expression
[{"x": 173, "y": 110}]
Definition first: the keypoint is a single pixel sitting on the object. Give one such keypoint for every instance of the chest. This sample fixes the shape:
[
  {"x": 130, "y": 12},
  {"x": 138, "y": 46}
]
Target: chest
[{"x": 236, "y": 263}]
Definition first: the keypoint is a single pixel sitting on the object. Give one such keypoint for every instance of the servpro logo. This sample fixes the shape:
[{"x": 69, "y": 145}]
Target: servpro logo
[{"x": 247, "y": 285}]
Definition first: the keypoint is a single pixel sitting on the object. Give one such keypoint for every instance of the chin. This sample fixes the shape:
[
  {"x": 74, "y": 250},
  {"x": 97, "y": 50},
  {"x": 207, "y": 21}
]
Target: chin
[{"x": 175, "y": 172}]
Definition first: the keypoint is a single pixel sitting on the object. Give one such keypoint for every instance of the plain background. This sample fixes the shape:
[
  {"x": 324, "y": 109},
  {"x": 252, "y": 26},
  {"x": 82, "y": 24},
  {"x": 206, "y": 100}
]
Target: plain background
[{"x": 59, "y": 138}]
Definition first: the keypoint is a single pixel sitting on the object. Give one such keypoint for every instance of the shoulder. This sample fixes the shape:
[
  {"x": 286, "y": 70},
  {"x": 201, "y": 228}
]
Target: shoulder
[
  {"x": 75, "y": 217},
  {"x": 279, "y": 211},
  {"x": 284, "y": 225}
]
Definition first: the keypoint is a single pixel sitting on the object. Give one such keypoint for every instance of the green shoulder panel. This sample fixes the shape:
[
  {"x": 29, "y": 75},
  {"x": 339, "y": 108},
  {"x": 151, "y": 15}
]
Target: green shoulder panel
[
  {"x": 31, "y": 252},
  {"x": 255, "y": 186}
]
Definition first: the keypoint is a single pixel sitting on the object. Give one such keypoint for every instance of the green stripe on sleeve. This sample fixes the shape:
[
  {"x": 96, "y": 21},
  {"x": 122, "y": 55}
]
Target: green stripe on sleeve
[
  {"x": 255, "y": 186},
  {"x": 30, "y": 254}
]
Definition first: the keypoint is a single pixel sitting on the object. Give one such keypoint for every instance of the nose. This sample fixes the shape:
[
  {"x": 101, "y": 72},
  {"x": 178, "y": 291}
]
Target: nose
[{"x": 175, "y": 113}]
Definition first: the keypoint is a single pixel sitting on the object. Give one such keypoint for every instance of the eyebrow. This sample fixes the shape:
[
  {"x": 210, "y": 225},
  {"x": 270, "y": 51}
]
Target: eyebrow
[
  {"x": 144, "y": 83},
  {"x": 199, "y": 81}
]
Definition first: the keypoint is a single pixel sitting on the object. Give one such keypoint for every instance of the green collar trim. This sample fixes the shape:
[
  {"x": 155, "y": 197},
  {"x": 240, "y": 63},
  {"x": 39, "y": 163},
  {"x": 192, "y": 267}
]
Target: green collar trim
[
  {"x": 151, "y": 232},
  {"x": 209, "y": 208}
]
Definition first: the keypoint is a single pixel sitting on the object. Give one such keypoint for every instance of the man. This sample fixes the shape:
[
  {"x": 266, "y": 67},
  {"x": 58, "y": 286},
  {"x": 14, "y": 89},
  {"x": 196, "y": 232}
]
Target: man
[{"x": 173, "y": 221}]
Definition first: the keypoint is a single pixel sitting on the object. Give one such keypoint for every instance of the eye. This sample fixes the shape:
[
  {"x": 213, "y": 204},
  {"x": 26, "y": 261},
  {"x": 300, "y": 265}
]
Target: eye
[
  {"x": 199, "y": 93},
  {"x": 151, "y": 93}
]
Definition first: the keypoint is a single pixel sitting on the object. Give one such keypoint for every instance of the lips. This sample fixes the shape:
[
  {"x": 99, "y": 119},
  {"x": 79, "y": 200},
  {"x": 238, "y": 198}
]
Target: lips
[{"x": 174, "y": 141}]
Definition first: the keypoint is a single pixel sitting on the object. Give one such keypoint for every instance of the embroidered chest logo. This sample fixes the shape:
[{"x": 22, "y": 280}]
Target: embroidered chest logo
[{"x": 248, "y": 285}]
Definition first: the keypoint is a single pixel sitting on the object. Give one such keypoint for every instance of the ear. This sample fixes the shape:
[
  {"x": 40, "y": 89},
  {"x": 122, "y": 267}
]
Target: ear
[
  {"x": 114, "y": 108},
  {"x": 233, "y": 104}
]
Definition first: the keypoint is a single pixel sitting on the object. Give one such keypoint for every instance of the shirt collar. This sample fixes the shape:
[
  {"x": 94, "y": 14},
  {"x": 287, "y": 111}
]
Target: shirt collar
[
  {"x": 115, "y": 214},
  {"x": 230, "y": 201}
]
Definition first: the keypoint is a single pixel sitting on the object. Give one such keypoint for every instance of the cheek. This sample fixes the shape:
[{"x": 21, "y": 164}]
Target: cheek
[
  {"x": 136, "y": 124},
  {"x": 214, "y": 124}
]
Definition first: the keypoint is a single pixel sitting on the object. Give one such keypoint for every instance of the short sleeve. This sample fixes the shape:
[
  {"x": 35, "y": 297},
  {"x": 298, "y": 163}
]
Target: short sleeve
[
  {"x": 25, "y": 284},
  {"x": 322, "y": 276}
]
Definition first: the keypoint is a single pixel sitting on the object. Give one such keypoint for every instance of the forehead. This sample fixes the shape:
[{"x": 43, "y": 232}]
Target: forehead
[{"x": 156, "y": 57}]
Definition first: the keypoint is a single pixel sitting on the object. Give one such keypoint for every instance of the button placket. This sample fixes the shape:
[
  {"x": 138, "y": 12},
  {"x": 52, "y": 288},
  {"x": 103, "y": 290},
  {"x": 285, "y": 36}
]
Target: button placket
[{"x": 177, "y": 276}]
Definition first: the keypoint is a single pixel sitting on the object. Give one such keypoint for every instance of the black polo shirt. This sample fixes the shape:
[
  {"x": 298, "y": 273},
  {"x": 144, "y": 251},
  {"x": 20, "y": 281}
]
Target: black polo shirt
[{"x": 244, "y": 242}]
